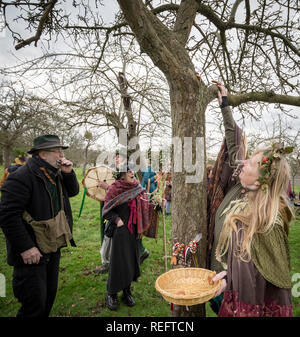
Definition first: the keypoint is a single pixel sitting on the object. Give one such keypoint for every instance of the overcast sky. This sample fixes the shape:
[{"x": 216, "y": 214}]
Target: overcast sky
[
  {"x": 9, "y": 57},
  {"x": 8, "y": 54}
]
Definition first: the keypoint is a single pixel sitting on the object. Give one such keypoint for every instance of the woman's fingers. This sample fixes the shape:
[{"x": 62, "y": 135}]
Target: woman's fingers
[
  {"x": 220, "y": 275},
  {"x": 222, "y": 288}
]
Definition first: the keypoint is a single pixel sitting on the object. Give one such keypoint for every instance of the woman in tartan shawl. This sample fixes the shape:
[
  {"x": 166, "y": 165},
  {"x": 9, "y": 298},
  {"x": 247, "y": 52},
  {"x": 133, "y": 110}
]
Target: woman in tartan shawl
[{"x": 127, "y": 208}]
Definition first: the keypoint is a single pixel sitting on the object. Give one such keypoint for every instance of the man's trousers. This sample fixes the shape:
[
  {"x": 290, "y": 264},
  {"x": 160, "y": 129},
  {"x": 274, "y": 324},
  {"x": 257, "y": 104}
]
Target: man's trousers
[{"x": 35, "y": 286}]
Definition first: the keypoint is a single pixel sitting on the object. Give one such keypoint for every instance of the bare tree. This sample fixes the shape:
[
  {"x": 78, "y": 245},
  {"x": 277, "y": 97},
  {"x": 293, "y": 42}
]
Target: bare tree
[
  {"x": 294, "y": 162},
  {"x": 81, "y": 151},
  {"x": 93, "y": 95},
  {"x": 276, "y": 129},
  {"x": 23, "y": 116},
  {"x": 252, "y": 47},
  {"x": 89, "y": 140}
]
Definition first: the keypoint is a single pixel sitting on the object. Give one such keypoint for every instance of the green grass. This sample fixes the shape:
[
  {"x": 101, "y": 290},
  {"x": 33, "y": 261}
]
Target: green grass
[
  {"x": 294, "y": 240},
  {"x": 81, "y": 293}
]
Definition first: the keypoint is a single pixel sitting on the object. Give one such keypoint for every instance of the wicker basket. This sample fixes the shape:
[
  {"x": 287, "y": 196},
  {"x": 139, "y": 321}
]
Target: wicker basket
[{"x": 186, "y": 286}]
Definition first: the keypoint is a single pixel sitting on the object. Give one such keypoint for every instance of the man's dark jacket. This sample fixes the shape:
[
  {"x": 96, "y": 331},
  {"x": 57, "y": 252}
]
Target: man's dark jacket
[{"x": 26, "y": 189}]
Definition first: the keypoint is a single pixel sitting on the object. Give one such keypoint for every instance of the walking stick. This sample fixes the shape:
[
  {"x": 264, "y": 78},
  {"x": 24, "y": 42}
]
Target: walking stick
[
  {"x": 101, "y": 222},
  {"x": 82, "y": 202},
  {"x": 165, "y": 239}
]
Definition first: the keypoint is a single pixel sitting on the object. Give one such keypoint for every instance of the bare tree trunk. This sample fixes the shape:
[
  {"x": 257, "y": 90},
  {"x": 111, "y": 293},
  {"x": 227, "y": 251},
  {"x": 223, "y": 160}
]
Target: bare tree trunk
[
  {"x": 85, "y": 159},
  {"x": 189, "y": 198},
  {"x": 132, "y": 132},
  {"x": 189, "y": 99},
  {"x": 132, "y": 124},
  {"x": 7, "y": 155}
]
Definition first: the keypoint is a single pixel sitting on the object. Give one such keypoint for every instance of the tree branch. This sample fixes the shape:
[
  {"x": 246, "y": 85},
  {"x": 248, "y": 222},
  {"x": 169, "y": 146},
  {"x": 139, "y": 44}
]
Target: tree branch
[
  {"x": 185, "y": 19},
  {"x": 155, "y": 11},
  {"x": 266, "y": 31},
  {"x": 127, "y": 104},
  {"x": 267, "y": 97},
  {"x": 40, "y": 28},
  {"x": 234, "y": 9},
  {"x": 154, "y": 37},
  {"x": 221, "y": 25}
]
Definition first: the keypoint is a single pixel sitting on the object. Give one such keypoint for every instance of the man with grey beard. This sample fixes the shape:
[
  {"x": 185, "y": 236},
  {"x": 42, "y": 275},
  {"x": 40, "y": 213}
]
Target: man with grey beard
[{"x": 36, "y": 219}]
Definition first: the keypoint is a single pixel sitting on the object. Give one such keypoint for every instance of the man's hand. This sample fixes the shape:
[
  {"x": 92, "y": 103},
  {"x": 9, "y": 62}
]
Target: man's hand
[
  {"x": 65, "y": 165},
  {"x": 31, "y": 256}
]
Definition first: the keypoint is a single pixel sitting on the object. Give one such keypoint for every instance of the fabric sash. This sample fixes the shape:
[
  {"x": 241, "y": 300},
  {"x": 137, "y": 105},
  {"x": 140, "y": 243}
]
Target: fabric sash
[{"x": 120, "y": 192}]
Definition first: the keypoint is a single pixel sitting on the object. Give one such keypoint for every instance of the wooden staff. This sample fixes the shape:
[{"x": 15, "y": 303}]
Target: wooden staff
[{"x": 165, "y": 239}]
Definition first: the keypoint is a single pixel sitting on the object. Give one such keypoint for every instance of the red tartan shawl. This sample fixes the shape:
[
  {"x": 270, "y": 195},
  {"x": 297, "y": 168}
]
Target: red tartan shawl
[{"x": 120, "y": 192}]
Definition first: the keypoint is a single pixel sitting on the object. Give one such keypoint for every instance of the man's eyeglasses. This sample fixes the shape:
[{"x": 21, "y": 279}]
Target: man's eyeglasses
[{"x": 59, "y": 151}]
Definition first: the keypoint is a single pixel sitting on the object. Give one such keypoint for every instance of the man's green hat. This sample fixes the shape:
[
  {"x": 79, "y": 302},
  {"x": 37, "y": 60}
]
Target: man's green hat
[{"x": 46, "y": 142}]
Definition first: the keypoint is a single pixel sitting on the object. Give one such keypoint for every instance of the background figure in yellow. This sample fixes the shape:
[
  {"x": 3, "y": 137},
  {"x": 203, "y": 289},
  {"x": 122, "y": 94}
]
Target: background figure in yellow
[{"x": 19, "y": 161}]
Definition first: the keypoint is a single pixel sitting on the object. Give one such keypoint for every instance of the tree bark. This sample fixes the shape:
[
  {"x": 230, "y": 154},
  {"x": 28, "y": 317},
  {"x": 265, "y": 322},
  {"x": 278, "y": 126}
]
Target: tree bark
[
  {"x": 189, "y": 199},
  {"x": 126, "y": 99},
  {"x": 132, "y": 135},
  {"x": 189, "y": 100},
  {"x": 7, "y": 155},
  {"x": 85, "y": 159},
  {"x": 268, "y": 97}
]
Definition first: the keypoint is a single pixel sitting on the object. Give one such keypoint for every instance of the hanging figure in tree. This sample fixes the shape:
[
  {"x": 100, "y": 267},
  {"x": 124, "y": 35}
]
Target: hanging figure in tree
[{"x": 248, "y": 222}]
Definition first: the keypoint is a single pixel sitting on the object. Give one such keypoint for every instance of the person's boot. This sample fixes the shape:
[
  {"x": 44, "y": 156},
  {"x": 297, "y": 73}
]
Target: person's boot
[
  {"x": 111, "y": 301},
  {"x": 102, "y": 269},
  {"x": 144, "y": 256},
  {"x": 127, "y": 297}
]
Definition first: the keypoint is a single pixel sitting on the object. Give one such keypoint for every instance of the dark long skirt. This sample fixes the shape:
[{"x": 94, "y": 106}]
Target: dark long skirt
[{"x": 124, "y": 261}]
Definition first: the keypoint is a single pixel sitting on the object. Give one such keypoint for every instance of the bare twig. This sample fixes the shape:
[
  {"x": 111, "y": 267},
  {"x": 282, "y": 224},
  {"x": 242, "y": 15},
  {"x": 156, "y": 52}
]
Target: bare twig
[{"x": 40, "y": 28}]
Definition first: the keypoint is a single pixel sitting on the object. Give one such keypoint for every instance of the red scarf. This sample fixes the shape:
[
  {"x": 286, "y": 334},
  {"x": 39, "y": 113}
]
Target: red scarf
[{"x": 120, "y": 192}]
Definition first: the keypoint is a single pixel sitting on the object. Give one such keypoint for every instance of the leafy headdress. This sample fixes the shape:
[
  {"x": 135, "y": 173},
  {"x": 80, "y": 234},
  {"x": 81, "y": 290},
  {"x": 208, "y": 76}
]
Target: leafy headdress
[{"x": 268, "y": 166}]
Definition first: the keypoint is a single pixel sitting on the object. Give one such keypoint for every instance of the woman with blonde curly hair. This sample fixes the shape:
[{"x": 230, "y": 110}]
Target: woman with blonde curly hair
[{"x": 253, "y": 242}]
